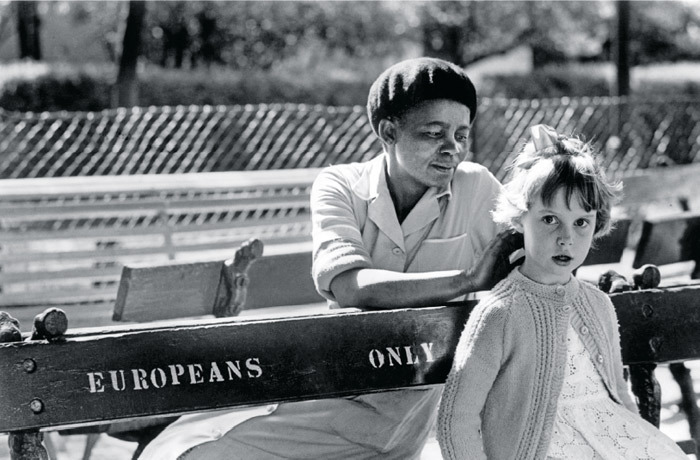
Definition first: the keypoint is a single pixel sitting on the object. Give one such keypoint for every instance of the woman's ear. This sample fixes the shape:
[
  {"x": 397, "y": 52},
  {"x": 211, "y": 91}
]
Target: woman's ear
[{"x": 387, "y": 131}]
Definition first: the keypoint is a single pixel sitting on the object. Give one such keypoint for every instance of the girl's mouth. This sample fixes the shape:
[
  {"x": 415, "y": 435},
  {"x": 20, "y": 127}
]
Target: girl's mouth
[{"x": 562, "y": 259}]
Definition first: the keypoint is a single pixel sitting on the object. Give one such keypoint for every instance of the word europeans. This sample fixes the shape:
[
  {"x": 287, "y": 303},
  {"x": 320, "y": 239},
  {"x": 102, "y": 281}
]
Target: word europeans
[{"x": 174, "y": 374}]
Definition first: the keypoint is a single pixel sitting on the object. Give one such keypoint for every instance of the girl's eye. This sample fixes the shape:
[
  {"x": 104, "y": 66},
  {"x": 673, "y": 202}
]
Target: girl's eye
[
  {"x": 582, "y": 222},
  {"x": 549, "y": 220}
]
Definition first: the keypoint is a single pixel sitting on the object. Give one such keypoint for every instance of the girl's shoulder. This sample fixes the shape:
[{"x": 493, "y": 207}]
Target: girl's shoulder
[
  {"x": 594, "y": 293},
  {"x": 501, "y": 298}
]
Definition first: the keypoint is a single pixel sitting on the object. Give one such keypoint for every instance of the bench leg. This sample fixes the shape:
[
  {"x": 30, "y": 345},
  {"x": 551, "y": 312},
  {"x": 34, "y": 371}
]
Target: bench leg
[
  {"x": 647, "y": 390},
  {"x": 90, "y": 442},
  {"x": 27, "y": 445},
  {"x": 689, "y": 406}
]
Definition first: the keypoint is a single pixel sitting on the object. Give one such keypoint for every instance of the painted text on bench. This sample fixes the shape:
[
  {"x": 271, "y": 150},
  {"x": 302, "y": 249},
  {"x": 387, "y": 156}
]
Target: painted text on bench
[{"x": 174, "y": 374}]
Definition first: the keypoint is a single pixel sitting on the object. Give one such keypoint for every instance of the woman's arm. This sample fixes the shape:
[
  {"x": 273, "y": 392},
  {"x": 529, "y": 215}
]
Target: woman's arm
[{"x": 368, "y": 287}]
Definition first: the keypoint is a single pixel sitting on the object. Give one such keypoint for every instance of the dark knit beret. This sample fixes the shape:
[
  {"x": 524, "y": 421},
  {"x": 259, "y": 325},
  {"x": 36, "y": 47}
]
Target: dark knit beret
[{"x": 408, "y": 83}]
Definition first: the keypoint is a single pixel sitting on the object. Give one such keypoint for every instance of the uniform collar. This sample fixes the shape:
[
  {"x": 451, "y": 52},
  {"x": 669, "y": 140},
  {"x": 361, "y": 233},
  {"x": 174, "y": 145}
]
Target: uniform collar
[{"x": 373, "y": 188}]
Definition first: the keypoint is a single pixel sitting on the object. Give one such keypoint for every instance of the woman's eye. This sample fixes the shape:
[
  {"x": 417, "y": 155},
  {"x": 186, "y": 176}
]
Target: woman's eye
[
  {"x": 433, "y": 133},
  {"x": 462, "y": 137}
]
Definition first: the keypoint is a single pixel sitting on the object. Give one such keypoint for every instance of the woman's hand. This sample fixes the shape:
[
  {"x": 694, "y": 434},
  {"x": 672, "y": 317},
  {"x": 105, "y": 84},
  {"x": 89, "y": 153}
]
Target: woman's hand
[{"x": 494, "y": 264}]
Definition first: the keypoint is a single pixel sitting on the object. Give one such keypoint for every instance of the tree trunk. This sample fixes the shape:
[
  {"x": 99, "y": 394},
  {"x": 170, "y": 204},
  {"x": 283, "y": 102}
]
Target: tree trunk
[
  {"x": 622, "y": 57},
  {"x": 28, "y": 25},
  {"x": 126, "y": 90}
]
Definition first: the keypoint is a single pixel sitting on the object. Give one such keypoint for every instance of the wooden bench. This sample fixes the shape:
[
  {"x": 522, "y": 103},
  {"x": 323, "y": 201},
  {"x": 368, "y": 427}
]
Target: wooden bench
[
  {"x": 671, "y": 240},
  {"x": 92, "y": 376},
  {"x": 65, "y": 241}
]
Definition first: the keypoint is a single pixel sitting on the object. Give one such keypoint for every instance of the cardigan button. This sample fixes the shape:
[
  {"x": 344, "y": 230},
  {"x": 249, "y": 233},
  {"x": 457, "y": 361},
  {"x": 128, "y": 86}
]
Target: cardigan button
[
  {"x": 566, "y": 308},
  {"x": 600, "y": 359},
  {"x": 584, "y": 330},
  {"x": 560, "y": 290}
]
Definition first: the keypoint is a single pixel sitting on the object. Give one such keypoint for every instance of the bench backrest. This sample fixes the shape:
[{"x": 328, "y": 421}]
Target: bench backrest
[
  {"x": 122, "y": 372},
  {"x": 669, "y": 239},
  {"x": 65, "y": 240},
  {"x": 171, "y": 291}
]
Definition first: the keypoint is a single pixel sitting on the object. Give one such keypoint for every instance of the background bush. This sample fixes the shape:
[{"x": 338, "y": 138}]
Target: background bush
[{"x": 38, "y": 87}]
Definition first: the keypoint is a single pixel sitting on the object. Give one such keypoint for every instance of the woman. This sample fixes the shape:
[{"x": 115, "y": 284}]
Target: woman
[{"x": 411, "y": 227}]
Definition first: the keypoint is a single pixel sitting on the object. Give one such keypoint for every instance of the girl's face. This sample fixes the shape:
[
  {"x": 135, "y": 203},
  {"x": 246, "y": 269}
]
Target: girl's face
[
  {"x": 557, "y": 238},
  {"x": 429, "y": 142}
]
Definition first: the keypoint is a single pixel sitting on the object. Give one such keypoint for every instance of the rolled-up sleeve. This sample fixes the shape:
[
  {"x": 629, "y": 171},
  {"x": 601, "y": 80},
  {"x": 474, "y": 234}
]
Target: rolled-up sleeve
[{"x": 337, "y": 238}]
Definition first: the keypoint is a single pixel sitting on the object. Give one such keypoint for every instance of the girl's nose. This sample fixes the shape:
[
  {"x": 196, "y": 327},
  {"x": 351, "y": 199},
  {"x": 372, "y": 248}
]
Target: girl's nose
[{"x": 564, "y": 238}]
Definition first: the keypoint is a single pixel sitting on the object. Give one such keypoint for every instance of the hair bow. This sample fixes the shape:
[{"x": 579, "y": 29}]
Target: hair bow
[{"x": 544, "y": 137}]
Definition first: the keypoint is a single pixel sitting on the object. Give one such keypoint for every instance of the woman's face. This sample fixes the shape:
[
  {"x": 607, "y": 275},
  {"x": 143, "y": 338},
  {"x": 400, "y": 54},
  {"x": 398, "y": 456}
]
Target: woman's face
[
  {"x": 426, "y": 145},
  {"x": 557, "y": 238}
]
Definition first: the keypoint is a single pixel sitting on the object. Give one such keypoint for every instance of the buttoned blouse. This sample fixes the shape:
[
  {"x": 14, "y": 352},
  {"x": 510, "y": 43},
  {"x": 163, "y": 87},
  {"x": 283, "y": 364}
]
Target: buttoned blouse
[{"x": 355, "y": 224}]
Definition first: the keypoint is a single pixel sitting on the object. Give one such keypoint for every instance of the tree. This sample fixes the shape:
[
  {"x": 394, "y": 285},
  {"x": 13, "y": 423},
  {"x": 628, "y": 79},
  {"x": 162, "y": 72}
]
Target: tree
[
  {"x": 28, "y": 28},
  {"x": 466, "y": 32},
  {"x": 126, "y": 89}
]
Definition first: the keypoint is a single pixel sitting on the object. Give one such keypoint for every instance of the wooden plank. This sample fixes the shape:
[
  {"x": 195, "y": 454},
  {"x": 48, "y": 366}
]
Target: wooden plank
[
  {"x": 85, "y": 274},
  {"x": 185, "y": 290},
  {"x": 167, "y": 291},
  {"x": 668, "y": 183},
  {"x": 97, "y": 376},
  {"x": 59, "y": 296},
  {"x": 223, "y": 364},
  {"x": 669, "y": 239},
  {"x": 609, "y": 249},
  {"x": 61, "y": 211},
  {"x": 283, "y": 279},
  {"x": 117, "y": 253},
  {"x": 158, "y": 228},
  {"x": 659, "y": 325},
  {"x": 21, "y": 189}
]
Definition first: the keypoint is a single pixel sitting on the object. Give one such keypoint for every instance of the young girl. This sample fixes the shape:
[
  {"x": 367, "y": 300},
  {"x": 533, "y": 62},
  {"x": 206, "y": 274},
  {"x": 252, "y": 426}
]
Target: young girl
[{"x": 538, "y": 372}]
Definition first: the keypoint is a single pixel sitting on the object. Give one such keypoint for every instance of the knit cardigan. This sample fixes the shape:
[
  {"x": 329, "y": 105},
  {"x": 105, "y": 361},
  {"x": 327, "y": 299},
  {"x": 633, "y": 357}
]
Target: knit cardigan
[{"x": 500, "y": 398}]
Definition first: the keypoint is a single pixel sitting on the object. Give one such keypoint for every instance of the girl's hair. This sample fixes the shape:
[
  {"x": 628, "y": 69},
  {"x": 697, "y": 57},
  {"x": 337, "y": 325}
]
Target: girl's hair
[{"x": 548, "y": 162}]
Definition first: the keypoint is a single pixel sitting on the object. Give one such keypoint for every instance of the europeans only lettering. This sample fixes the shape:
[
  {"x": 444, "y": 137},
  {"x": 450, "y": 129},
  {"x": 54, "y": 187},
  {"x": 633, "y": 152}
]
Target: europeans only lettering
[
  {"x": 401, "y": 356},
  {"x": 174, "y": 374}
]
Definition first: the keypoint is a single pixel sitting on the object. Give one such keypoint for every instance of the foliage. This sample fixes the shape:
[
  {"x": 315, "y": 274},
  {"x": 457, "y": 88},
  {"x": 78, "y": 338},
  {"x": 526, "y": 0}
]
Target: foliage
[
  {"x": 256, "y": 35},
  {"x": 551, "y": 81},
  {"x": 39, "y": 87}
]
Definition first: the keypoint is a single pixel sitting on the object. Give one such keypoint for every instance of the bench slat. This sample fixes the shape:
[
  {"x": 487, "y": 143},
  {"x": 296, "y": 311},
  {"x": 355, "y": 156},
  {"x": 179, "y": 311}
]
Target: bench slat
[
  {"x": 101, "y": 376},
  {"x": 232, "y": 363},
  {"x": 185, "y": 290},
  {"x": 659, "y": 325},
  {"x": 116, "y": 253},
  {"x": 669, "y": 239},
  {"x": 56, "y": 211},
  {"x": 23, "y": 189},
  {"x": 107, "y": 233}
]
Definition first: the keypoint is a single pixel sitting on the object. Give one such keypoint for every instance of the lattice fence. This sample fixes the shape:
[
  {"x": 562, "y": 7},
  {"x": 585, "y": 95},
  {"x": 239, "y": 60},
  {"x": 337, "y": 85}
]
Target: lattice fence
[{"x": 632, "y": 134}]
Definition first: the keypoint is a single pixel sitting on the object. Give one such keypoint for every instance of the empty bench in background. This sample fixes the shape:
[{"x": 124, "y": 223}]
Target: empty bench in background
[{"x": 65, "y": 240}]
